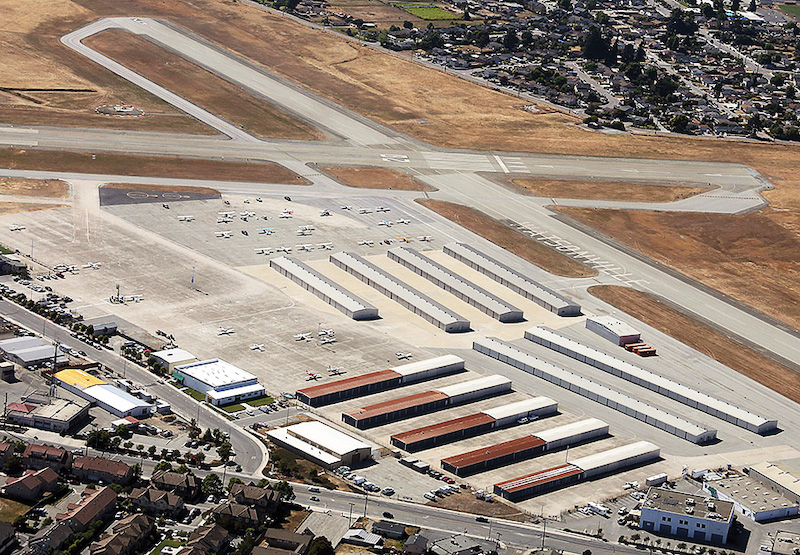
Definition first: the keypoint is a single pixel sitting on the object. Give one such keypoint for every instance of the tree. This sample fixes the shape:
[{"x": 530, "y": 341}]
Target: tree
[
  {"x": 285, "y": 489},
  {"x": 790, "y": 92},
  {"x": 116, "y": 442},
  {"x": 136, "y": 468},
  {"x": 183, "y": 469},
  {"x": 12, "y": 465},
  {"x": 408, "y": 25},
  {"x": 681, "y": 546},
  {"x": 163, "y": 465},
  {"x": 152, "y": 451},
  {"x": 681, "y": 23},
  {"x": 587, "y": 552},
  {"x": 99, "y": 439},
  {"x": 320, "y": 546},
  {"x": 736, "y": 5},
  {"x": 752, "y": 7},
  {"x": 224, "y": 450},
  {"x": 122, "y": 430},
  {"x": 211, "y": 485},
  {"x": 595, "y": 46},
  {"x": 510, "y": 40}
]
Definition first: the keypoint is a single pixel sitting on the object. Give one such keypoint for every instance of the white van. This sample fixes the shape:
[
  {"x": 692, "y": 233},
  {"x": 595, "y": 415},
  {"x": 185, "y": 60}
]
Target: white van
[{"x": 429, "y": 496}]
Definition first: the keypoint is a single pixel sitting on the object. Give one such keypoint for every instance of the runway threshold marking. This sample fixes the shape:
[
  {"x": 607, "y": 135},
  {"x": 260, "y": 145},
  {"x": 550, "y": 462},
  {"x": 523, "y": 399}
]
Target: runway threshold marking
[{"x": 502, "y": 164}]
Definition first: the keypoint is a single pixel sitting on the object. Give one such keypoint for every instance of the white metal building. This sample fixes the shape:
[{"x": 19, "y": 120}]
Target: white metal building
[
  {"x": 618, "y": 458},
  {"x": 400, "y": 292},
  {"x": 678, "y": 514},
  {"x": 781, "y": 477},
  {"x": 30, "y": 351},
  {"x": 614, "y": 330},
  {"x": 654, "y": 416},
  {"x": 527, "y": 408},
  {"x": 321, "y": 444},
  {"x": 451, "y": 282},
  {"x": 573, "y": 434},
  {"x": 650, "y": 380},
  {"x": 486, "y": 386},
  {"x": 512, "y": 279},
  {"x": 170, "y": 358},
  {"x": 752, "y": 498},
  {"x": 116, "y": 401},
  {"x": 221, "y": 382},
  {"x": 338, "y": 297}
]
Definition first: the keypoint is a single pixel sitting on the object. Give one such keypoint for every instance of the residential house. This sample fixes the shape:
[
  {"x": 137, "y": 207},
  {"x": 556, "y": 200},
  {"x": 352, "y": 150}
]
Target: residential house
[
  {"x": 95, "y": 504},
  {"x": 6, "y": 450},
  {"x": 40, "y": 456},
  {"x": 8, "y": 538},
  {"x": 359, "y": 536},
  {"x": 415, "y": 545},
  {"x": 49, "y": 539},
  {"x": 393, "y": 530},
  {"x": 185, "y": 485},
  {"x": 263, "y": 499},
  {"x": 126, "y": 537},
  {"x": 235, "y": 516},
  {"x": 32, "y": 485},
  {"x": 284, "y": 542},
  {"x": 208, "y": 539},
  {"x": 157, "y": 501},
  {"x": 97, "y": 469}
]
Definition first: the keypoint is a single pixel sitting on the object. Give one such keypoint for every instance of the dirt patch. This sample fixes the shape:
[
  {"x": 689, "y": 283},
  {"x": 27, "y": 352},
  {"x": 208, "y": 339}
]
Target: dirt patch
[
  {"x": 17, "y": 207},
  {"x": 604, "y": 190},
  {"x": 9, "y": 510},
  {"x": 466, "y": 502},
  {"x": 375, "y": 178},
  {"x": 201, "y": 87},
  {"x": 54, "y": 188},
  {"x": 656, "y": 313},
  {"x": 168, "y": 188},
  {"x": 508, "y": 238},
  {"x": 754, "y": 258},
  {"x": 148, "y": 166},
  {"x": 373, "y": 11}
]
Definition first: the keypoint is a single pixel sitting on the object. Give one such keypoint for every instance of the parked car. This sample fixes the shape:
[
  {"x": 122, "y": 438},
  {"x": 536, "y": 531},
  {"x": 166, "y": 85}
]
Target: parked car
[{"x": 387, "y": 514}]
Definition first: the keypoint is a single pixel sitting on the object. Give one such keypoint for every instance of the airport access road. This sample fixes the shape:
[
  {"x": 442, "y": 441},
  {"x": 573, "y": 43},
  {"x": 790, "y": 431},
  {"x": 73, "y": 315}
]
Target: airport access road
[{"x": 250, "y": 452}]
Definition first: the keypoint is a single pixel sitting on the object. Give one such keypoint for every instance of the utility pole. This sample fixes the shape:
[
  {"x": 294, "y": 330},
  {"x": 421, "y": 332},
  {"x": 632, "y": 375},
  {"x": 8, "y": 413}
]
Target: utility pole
[
  {"x": 366, "y": 498},
  {"x": 349, "y": 520}
]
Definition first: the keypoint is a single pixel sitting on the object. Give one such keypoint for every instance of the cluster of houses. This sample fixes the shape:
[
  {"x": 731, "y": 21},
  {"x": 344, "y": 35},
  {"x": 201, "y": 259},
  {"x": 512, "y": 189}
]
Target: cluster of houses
[
  {"x": 47, "y": 467},
  {"x": 724, "y": 73}
]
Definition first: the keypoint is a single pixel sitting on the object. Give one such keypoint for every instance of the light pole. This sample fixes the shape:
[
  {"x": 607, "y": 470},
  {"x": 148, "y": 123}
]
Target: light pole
[
  {"x": 366, "y": 498},
  {"x": 350, "y": 519}
]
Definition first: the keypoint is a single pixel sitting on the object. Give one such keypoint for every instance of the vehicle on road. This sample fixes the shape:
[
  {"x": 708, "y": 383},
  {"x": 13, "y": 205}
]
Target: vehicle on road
[
  {"x": 314, "y": 498},
  {"x": 387, "y": 514},
  {"x": 481, "y": 519}
]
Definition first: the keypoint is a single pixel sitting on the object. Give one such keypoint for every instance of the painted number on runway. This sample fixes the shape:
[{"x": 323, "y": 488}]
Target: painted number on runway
[{"x": 400, "y": 158}]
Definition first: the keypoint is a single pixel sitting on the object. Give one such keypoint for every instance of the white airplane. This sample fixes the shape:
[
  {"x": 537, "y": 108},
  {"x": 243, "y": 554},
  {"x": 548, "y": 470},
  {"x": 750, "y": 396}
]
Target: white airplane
[
  {"x": 264, "y": 250},
  {"x": 312, "y": 376},
  {"x": 17, "y": 227},
  {"x": 326, "y": 340},
  {"x": 265, "y": 217},
  {"x": 425, "y": 238},
  {"x": 246, "y": 201},
  {"x": 303, "y": 336},
  {"x": 403, "y": 356},
  {"x": 364, "y": 211},
  {"x": 306, "y": 247},
  {"x": 324, "y": 212},
  {"x": 382, "y": 209},
  {"x": 226, "y": 202},
  {"x": 257, "y": 347},
  {"x": 287, "y": 211},
  {"x": 225, "y": 331},
  {"x": 223, "y": 234},
  {"x": 247, "y": 214},
  {"x": 286, "y": 250},
  {"x": 92, "y": 265},
  {"x": 347, "y": 207},
  {"x": 307, "y": 227},
  {"x": 285, "y": 215},
  {"x": 403, "y": 221},
  {"x": 323, "y": 333},
  {"x": 259, "y": 199},
  {"x": 388, "y": 241},
  {"x": 185, "y": 218},
  {"x": 266, "y": 230},
  {"x": 226, "y": 214},
  {"x": 335, "y": 370},
  {"x": 304, "y": 232},
  {"x": 243, "y": 218},
  {"x": 224, "y": 220},
  {"x": 366, "y": 243},
  {"x": 165, "y": 205},
  {"x": 325, "y": 246},
  {"x": 385, "y": 222}
]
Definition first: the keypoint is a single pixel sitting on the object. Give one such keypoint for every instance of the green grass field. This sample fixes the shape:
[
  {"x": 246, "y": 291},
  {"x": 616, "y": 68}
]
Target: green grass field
[
  {"x": 232, "y": 408},
  {"x": 791, "y": 9},
  {"x": 193, "y": 393},
  {"x": 427, "y": 12},
  {"x": 166, "y": 543},
  {"x": 260, "y": 401}
]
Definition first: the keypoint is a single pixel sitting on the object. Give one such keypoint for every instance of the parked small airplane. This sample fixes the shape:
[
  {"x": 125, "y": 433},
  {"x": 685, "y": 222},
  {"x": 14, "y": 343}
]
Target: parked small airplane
[
  {"x": 403, "y": 221},
  {"x": 264, "y": 250},
  {"x": 185, "y": 218},
  {"x": 246, "y": 201},
  {"x": 225, "y": 331},
  {"x": 257, "y": 347},
  {"x": 226, "y": 202},
  {"x": 335, "y": 370},
  {"x": 285, "y": 215},
  {"x": 347, "y": 207},
  {"x": 223, "y": 234},
  {"x": 286, "y": 250},
  {"x": 325, "y": 212},
  {"x": 312, "y": 376},
  {"x": 304, "y": 232},
  {"x": 229, "y": 214},
  {"x": 382, "y": 209},
  {"x": 326, "y": 340},
  {"x": 385, "y": 222},
  {"x": 165, "y": 205},
  {"x": 403, "y": 356},
  {"x": 325, "y": 246},
  {"x": 325, "y": 333},
  {"x": 258, "y": 199},
  {"x": 303, "y": 336},
  {"x": 16, "y": 227},
  {"x": 287, "y": 211},
  {"x": 364, "y": 211},
  {"x": 406, "y": 239},
  {"x": 92, "y": 265},
  {"x": 366, "y": 243},
  {"x": 266, "y": 230},
  {"x": 425, "y": 238},
  {"x": 306, "y": 247},
  {"x": 224, "y": 220}
]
